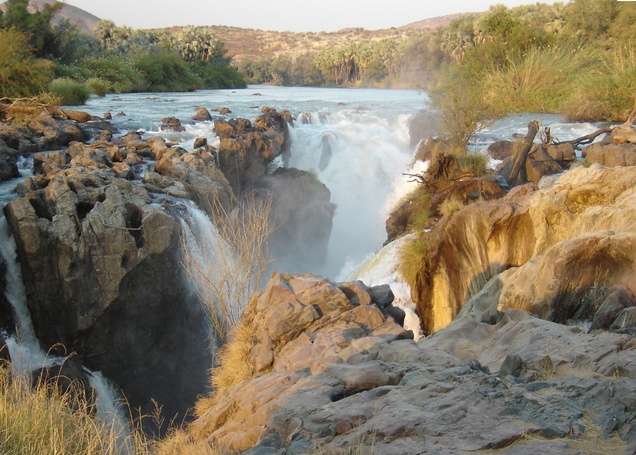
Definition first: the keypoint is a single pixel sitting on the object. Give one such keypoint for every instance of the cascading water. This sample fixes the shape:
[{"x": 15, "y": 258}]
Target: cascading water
[
  {"x": 213, "y": 270},
  {"x": 360, "y": 155}
]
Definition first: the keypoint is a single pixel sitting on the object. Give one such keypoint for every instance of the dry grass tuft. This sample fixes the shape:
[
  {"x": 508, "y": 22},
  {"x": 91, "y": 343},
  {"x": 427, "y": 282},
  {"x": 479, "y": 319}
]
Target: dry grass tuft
[
  {"x": 226, "y": 283},
  {"x": 412, "y": 256},
  {"x": 42, "y": 420},
  {"x": 234, "y": 366},
  {"x": 450, "y": 206},
  {"x": 182, "y": 443}
]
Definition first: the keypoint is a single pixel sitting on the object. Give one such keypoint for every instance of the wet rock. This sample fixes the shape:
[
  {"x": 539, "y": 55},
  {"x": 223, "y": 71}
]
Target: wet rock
[
  {"x": 245, "y": 150},
  {"x": 97, "y": 261},
  {"x": 302, "y": 214},
  {"x": 8, "y": 162},
  {"x": 69, "y": 378},
  {"x": 77, "y": 116},
  {"x": 200, "y": 142},
  {"x": 223, "y": 110},
  {"x": 107, "y": 116},
  {"x": 171, "y": 124},
  {"x": 500, "y": 150},
  {"x": 202, "y": 115}
]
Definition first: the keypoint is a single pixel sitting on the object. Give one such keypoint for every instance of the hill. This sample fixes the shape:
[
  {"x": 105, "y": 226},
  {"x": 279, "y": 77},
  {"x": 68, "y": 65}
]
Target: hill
[
  {"x": 82, "y": 19},
  {"x": 434, "y": 23}
]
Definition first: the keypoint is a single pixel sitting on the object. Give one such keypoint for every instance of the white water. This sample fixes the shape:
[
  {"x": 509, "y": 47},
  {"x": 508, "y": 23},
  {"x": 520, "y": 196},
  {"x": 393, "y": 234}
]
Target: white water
[
  {"x": 383, "y": 268},
  {"x": 215, "y": 273},
  {"x": 369, "y": 152}
]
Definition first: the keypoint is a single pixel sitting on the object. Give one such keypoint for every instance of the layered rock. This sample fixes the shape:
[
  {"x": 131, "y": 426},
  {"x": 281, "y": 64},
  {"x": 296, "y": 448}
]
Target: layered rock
[
  {"x": 319, "y": 367},
  {"x": 576, "y": 234}
]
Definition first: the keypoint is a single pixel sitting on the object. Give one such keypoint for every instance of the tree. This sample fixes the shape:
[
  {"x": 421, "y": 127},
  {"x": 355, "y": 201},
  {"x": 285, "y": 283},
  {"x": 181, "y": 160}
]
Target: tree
[{"x": 42, "y": 36}]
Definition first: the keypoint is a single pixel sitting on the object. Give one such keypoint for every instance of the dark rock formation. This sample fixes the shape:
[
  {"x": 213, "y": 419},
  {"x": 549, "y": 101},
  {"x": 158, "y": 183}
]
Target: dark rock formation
[
  {"x": 301, "y": 219},
  {"x": 98, "y": 254}
]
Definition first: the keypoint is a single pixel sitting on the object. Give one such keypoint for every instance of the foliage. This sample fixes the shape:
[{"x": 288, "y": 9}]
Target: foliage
[
  {"x": 98, "y": 86},
  {"x": 164, "y": 71},
  {"x": 37, "y": 26},
  {"x": 412, "y": 255},
  {"x": 20, "y": 74},
  {"x": 69, "y": 91},
  {"x": 476, "y": 164}
]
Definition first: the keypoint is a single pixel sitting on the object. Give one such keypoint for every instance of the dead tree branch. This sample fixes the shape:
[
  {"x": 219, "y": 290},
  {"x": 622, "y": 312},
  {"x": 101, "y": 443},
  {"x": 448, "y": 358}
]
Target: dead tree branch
[{"x": 519, "y": 160}]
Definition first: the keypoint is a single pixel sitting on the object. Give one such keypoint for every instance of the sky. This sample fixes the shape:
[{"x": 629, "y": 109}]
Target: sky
[{"x": 283, "y": 15}]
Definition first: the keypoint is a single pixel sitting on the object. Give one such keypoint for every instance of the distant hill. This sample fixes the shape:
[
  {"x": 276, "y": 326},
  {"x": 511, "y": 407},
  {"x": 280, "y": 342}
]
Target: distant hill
[
  {"x": 245, "y": 44},
  {"x": 83, "y": 20},
  {"x": 434, "y": 23}
]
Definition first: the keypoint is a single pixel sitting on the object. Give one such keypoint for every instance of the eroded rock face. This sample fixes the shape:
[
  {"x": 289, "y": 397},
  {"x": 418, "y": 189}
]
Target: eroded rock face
[
  {"x": 98, "y": 255},
  {"x": 301, "y": 218},
  {"x": 245, "y": 150},
  {"x": 324, "y": 366},
  {"x": 574, "y": 234}
]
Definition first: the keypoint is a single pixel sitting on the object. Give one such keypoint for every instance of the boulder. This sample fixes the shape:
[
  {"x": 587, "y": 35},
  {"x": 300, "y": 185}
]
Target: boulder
[
  {"x": 500, "y": 150},
  {"x": 301, "y": 216},
  {"x": 77, "y": 116},
  {"x": 223, "y": 110},
  {"x": 200, "y": 142},
  {"x": 611, "y": 154},
  {"x": 245, "y": 150},
  {"x": 171, "y": 124},
  {"x": 202, "y": 115},
  {"x": 8, "y": 162}
]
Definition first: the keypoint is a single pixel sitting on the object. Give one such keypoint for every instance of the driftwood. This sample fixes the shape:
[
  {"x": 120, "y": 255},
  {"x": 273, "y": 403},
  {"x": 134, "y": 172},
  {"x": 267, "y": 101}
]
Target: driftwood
[
  {"x": 520, "y": 158},
  {"x": 587, "y": 139}
]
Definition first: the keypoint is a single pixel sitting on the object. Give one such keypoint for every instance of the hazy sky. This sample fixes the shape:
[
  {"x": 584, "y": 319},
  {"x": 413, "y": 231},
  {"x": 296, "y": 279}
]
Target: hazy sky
[{"x": 293, "y": 15}]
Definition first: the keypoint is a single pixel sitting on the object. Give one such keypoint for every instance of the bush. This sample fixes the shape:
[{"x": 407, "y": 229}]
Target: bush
[
  {"x": 607, "y": 92},
  {"x": 118, "y": 71},
  {"x": 217, "y": 77},
  {"x": 412, "y": 255},
  {"x": 98, "y": 86},
  {"x": 475, "y": 164},
  {"x": 69, "y": 91},
  {"x": 20, "y": 74},
  {"x": 165, "y": 71}
]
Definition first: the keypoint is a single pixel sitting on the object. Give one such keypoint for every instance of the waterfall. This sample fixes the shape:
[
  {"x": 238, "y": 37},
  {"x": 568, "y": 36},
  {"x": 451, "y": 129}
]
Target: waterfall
[
  {"x": 214, "y": 272},
  {"x": 360, "y": 156}
]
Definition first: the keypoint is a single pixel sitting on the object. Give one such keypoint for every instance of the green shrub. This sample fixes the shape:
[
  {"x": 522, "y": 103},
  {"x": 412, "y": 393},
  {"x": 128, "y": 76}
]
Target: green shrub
[
  {"x": 118, "y": 71},
  {"x": 473, "y": 163},
  {"x": 165, "y": 71},
  {"x": 98, "y": 86},
  {"x": 608, "y": 91},
  {"x": 69, "y": 91},
  {"x": 20, "y": 74},
  {"x": 216, "y": 76}
]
